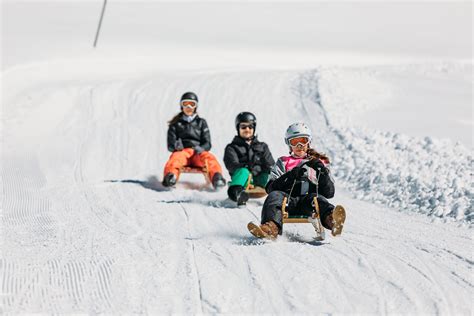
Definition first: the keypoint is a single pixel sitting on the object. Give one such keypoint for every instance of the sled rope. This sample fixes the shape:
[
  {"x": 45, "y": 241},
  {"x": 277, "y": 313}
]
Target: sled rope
[
  {"x": 314, "y": 219},
  {"x": 286, "y": 200}
]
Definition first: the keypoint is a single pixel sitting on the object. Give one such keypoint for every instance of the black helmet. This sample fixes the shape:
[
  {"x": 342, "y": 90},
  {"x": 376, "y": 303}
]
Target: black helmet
[
  {"x": 189, "y": 96},
  {"x": 245, "y": 117}
]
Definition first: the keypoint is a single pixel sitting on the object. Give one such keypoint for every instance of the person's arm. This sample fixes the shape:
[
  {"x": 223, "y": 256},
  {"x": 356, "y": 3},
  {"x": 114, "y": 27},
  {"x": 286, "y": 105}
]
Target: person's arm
[
  {"x": 287, "y": 180},
  {"x": 268, "y": 160},
  {"x": 205, "y": 141},
  {"x": 277, "y": 179},
  {"x": 231, "y": 159},
  {"x": 172, "y": 137},
  {"x": 326, "y": 183}
]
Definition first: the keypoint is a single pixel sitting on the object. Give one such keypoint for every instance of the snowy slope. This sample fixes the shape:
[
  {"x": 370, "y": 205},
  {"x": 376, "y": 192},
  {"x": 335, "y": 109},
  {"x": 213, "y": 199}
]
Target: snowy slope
[
  {"x": 99, "y": 235},
  {"x": 87, "y": 227}
]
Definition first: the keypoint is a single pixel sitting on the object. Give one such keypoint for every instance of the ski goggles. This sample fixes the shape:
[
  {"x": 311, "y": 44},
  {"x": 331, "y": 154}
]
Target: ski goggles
[
  {"x": 298, "y": 141},
  {"x": 188, "y": 104},
  {"x": 245, "y": 126}
]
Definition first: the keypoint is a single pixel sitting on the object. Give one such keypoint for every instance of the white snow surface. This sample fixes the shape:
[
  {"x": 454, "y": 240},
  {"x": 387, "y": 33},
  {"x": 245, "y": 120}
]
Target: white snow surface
[{"x": 88, "y": 228}]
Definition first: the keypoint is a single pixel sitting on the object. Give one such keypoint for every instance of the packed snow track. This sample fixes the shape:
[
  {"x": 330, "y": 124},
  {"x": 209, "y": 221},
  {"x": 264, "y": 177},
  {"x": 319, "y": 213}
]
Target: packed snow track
[{"x": 87, "y": 227}]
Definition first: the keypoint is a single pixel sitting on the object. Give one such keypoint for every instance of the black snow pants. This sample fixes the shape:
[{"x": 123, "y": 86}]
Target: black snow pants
[{"x": 300, "y": 205}]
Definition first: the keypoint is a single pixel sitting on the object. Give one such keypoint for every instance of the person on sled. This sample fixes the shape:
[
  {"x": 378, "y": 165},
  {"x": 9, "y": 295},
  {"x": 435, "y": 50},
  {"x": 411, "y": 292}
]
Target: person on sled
[
  {"x": 246, "y": 158},
  {"x": 300, "y": 177},
  {"x": 189, "y": 140}
]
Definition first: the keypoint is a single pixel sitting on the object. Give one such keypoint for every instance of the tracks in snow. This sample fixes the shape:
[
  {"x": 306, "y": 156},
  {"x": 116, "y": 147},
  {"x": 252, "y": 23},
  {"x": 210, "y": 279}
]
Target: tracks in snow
[{"x": 76, "y": 243}]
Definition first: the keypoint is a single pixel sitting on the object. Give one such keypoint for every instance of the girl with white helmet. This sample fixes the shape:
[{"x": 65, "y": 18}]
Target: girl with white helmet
[{"x": 300, "y": 177}]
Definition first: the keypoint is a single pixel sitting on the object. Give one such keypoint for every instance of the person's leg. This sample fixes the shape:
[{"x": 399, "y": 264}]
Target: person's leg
[
  {"x": 195, "y": 161},
  {"x": 338, "y": 218},
  {"x": 303, "y": 205},
  {"x": 272, "y": 209},
  {"x": 272, "y": 216},
  {"x": 237, "y": 186},
  {"x": 213, "y": 168},
  {"x": 332, "y": 217},
  {"x": 177, "y": 161},
  {"x": 213, "y": 165},
  {"x": 261, "y": 180},
  {"x": 325, "y": 210},
  {"x": 240, "y": 177}
]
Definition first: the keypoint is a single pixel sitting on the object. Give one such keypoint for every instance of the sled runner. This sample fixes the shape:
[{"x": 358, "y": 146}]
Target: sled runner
[
  {"x": 203, "y": 170},
  {"x": 314, "y": 219},
  {"x": 253, "y": 191}
]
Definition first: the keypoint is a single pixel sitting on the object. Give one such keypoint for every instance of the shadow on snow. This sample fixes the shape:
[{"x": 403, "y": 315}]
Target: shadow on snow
[{"x": 152, "y": 183}]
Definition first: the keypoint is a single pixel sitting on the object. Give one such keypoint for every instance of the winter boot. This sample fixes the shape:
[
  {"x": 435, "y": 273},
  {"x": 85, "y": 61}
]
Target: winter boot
[
  {"x": 335, "y": 220},
  {"x": 218, "y": 181},
  {"x": 237, "y": 194},
  {"x": 169, "y": 180},
  {"x": 242, "y": 198},
  {"x": 268, "y": 230}
]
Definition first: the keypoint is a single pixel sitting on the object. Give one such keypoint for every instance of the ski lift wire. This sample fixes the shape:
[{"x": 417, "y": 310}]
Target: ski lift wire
[{"x": 100, "y": 24}]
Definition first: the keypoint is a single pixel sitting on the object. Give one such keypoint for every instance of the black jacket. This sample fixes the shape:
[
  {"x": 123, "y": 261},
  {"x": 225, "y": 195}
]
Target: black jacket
[
  {"x": 239, "y": 154},
  {"x": 302, "y": 185},
  {"x": 195, "y": 133}
]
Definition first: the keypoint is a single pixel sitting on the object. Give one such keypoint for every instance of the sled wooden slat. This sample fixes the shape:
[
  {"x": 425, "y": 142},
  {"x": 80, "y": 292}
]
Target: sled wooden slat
[
  {"x": 254, "y": 192},
  {"x": 296, "y": 220},
  {"x": 315, "y": 220},
  {"x": 192, "y": 170},
  {"x": 203, "y": 170}
]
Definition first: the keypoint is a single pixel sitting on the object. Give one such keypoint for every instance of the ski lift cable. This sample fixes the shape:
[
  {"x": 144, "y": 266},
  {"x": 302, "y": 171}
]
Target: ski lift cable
[{"x": 100, "y": 24}]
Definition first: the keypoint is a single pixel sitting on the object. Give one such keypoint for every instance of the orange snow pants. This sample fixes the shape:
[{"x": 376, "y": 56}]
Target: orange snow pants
[{"x": 188, "y": 158}]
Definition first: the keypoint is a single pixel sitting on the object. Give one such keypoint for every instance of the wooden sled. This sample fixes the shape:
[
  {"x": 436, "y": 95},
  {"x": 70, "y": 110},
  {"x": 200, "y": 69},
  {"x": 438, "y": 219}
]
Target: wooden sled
[
  {"x": 253, "y": 191},
  {"x": 204, "y": 171},
  {"x": 314, "y": 219}
]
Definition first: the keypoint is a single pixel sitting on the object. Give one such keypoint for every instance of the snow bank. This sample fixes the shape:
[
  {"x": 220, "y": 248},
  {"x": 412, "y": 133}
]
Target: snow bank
[
  {"x": 423, "y": 175},
  {"x": 420, "y": 174}
]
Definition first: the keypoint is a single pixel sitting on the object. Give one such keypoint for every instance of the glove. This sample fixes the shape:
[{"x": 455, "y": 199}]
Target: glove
[
  {"x": 178, "y": 145},
  {"x": 317, "y": 164},
  {"x": 198, "y": 149},
  {"x": 256, "y": 170},
  {"x": 297, "y": 173},
  {"x": 285, "y": 181}
]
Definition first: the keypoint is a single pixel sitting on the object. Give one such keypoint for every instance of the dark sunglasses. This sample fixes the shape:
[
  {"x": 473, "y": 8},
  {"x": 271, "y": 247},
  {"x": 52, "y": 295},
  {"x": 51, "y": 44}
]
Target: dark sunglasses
[{"x": 245, "y": 126}]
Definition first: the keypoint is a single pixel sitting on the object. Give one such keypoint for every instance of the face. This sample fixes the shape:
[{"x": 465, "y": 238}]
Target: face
[
  {"x": 246, "y": 130},
  {"x": 299, "y": 146},
  {"x": 188, "y": 107}
]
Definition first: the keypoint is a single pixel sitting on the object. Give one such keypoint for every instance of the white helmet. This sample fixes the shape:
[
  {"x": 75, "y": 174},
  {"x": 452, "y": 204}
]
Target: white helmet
[{"x": 297, "y": 130}]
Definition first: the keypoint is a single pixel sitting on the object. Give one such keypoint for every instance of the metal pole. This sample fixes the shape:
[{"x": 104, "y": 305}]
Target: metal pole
[{"x": 100, "y": 24}]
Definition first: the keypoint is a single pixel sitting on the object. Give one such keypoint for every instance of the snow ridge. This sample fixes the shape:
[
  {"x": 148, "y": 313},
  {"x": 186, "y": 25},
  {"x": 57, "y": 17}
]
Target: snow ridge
[{"x": 423, "y": 175}]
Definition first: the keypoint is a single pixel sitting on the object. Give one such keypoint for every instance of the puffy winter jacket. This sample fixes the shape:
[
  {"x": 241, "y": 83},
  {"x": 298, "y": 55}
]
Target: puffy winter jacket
[
  {"x": 192, "y": 134},
  {"x": 240, "y": 154},
  {"x": 281, "y": 179}
]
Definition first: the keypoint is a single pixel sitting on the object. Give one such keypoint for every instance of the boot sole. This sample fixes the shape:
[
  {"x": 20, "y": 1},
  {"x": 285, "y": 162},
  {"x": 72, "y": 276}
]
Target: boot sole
[
  {"x": 255, "y": 230},
  {"x": 339, "y": 217},
  {"x": 218, "y": 186},
  {"x": 243, "y": 198}
]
